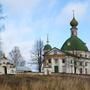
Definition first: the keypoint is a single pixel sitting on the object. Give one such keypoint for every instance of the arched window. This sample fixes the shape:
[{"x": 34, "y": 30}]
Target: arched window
[
  {"x": 80, "y": 55},
  {"x": 80, "y": 70},
  {"x": 85, "y": 56},
  {"x": 81, "y": 63},
  {"x": 85, "y": 63},
  {"x": 63, "y": 60},
  {"x": 85, "y": 70},
  {"x": 49, "y": 60}
]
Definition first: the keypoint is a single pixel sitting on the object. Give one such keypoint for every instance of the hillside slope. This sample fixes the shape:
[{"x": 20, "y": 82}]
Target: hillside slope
[{"x": 37, "y": 82}]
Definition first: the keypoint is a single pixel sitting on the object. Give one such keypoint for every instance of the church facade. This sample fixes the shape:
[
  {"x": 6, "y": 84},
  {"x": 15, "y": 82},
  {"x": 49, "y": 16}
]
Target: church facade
[
  {"x": 6, "y": 67},
  {"x": 73, "y": 57}
]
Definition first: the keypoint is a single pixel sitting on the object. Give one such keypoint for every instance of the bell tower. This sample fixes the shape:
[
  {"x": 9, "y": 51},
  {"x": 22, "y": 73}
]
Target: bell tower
[{"x": 74, "y": 25}]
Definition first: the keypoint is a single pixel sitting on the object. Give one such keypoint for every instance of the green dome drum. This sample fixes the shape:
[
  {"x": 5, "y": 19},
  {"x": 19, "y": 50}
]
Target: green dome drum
[
  {"x": 47, "y": 47},
  {"x": 74, "y": 43}
]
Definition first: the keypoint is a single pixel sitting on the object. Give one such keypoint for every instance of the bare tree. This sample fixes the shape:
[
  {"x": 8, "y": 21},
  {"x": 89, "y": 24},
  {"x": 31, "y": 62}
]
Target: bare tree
[
  {"x": 36, "y": 53},
  {"x": 16, "y": 56}
]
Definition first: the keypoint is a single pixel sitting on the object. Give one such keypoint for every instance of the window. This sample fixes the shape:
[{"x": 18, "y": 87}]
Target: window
[
  {"x": 49, "y": 60},
  {"x": 85, "y": 70},
  {"x": 12, "y": 71},
  {"x": 85, "y": 56},
  {"x": 80, "y": 70},
  {"x": 81, "y": 63},
  {"x": 63, "y": 60},
  {"x": 10, "y": 66},
  {"x": 75, "y": 63},
  {"x": 3, "y": 62},
  {"x": 71, "y": 61},
  {"x": 85, "y": 63},
  {"x": 80, "y": 55}
]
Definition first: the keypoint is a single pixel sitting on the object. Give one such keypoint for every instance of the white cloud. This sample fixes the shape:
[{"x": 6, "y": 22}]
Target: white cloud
[
  {"x": 66, "y": 13},
  {"x": 13, "y": 36},
  {"x": 18, "y": 31},
  {"x": 51, "y": 3},
  {"x": 21, "y": 5},
  {"x": 20, "y": 9}
]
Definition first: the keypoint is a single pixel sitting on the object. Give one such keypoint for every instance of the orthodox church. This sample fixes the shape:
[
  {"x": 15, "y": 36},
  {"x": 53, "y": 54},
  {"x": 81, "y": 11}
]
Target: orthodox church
[{"x": 73, "y": 57}]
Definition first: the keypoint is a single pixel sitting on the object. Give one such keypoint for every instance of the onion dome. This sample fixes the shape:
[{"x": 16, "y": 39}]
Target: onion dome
[
  {"x": 74, "y": 43},
  {"x": 47, "y": 47},
  {"x": 73, "y": 22}
]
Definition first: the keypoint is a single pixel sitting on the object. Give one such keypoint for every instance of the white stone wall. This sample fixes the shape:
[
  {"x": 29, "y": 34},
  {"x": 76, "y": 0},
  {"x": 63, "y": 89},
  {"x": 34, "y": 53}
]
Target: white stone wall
[
  {"x": 1, "y": 70},
  {"x": 78, "y": 66},
  {"x": 47, "y": 71},
  {"x": 11, "y": 70},
  {"x": 59, "y": 64},
  {"x": 69, "y": 65}
]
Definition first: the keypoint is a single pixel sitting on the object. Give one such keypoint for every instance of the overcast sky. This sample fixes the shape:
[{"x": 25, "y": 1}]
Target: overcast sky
[{"x": 29, "y": 20}]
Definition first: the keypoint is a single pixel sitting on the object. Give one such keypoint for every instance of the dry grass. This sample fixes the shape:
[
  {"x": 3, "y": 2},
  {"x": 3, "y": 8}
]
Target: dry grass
[{"x": 36, "y": 82}]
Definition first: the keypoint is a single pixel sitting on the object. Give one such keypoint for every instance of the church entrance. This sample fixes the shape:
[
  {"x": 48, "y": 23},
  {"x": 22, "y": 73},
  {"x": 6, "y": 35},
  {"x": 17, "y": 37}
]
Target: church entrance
[
  {"x": 5, "y": 70},
  {"x": 56, "y": 70}
]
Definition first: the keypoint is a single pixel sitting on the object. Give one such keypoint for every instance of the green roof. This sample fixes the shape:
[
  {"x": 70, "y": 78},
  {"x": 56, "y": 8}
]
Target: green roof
[
  {"x": 74, "y": 43},
  {"x": 73, "y": 22},
  {"x": 47, "y": 47}
]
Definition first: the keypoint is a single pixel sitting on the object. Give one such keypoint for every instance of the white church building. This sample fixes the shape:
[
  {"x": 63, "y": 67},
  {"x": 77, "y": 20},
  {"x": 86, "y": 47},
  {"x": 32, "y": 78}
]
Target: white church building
[
  {"x": 6, "y": 67},
  {"x": 72, "y": 57}
]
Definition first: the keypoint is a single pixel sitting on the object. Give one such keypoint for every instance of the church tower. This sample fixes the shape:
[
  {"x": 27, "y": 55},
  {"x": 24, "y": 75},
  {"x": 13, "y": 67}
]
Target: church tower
[
  {"x": 74, "y": 43},
  {"x": 47, "y": 47},
  {"x": 74, "y": 25}
]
